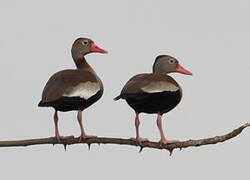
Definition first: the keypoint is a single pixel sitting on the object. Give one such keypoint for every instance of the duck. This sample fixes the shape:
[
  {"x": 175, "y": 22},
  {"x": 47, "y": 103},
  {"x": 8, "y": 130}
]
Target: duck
[
  {"x": 154, "y": 93},
  {"x": 74, "y": 89}
]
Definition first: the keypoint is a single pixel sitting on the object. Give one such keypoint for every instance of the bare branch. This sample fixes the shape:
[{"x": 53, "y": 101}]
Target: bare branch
[{"x": 105, "y": 140}]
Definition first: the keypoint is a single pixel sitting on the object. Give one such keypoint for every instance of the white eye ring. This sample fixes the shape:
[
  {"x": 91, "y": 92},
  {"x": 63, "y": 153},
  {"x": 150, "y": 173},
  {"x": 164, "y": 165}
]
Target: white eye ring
[
  {"x": 171, "y": 61},
  {"x": 85, "y": 42}
]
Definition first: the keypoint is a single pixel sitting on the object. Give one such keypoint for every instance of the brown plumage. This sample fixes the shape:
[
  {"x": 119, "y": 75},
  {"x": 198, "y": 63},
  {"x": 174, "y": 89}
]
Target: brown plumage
[
  {"x": 154, "y": 92},
  {"x": 138, "y": 82},
  {"x": 64, "y": 81},
  {"x": 74, "y": 89}
]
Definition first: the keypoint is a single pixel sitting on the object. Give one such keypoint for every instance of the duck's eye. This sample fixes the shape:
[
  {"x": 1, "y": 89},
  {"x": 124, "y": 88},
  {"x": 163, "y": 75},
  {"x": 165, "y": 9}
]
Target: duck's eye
[
  {"x": 171, "y": 61},
  {"x": 85, "y": 42}
]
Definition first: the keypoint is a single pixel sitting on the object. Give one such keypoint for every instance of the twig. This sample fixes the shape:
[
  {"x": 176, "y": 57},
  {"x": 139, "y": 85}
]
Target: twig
[{"x": 105, "y": 140}]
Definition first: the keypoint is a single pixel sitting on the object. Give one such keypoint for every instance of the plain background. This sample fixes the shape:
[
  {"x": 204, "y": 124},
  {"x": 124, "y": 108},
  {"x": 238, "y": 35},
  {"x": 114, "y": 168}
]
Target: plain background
[{"x": 210, "y": 38}]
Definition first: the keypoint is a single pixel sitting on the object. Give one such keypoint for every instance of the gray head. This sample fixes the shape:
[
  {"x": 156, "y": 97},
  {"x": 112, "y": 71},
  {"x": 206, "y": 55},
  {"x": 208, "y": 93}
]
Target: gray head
[
  {"x": 84, "y": 46},
  {"x": 166, "y": 64}
]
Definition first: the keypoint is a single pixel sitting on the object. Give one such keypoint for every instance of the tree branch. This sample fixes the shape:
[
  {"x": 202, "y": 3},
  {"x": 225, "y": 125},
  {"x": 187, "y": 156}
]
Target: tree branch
[{"x": 105, "y": 140}]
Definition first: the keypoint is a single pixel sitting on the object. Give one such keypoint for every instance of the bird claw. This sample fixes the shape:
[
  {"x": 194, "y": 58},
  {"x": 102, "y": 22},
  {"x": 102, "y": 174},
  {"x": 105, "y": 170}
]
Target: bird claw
[
  {"x": 59, "y": 138},
  {"x": 165, "y": 141}
]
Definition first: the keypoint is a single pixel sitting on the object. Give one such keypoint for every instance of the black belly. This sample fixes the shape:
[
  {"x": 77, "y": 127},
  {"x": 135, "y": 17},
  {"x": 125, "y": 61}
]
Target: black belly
[
  {"x": 72, "y": 103},
  {"x": 151, "y": 103}
]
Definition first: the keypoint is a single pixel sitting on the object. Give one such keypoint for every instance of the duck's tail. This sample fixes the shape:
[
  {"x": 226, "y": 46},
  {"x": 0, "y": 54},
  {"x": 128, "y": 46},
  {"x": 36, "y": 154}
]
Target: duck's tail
[{"x": 117, "y": 98}]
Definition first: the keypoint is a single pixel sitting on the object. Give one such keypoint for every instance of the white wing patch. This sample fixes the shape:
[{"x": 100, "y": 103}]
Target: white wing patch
[
  {"x": 83, "y": 90},
  {"x": 160, "y": 86}
]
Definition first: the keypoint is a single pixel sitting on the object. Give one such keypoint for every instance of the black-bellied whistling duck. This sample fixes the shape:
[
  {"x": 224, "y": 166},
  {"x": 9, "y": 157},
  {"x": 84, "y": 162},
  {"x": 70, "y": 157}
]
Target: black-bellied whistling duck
[
  {"x": 154, "y": 92},
  {"x": 74, "y": 89}
]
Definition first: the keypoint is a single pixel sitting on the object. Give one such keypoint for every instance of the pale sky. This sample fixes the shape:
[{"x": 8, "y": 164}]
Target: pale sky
[{"x": 209, "y": 38}]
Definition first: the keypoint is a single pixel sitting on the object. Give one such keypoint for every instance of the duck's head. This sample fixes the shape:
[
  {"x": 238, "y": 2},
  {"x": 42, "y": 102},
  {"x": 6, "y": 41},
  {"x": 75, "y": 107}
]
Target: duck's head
[
  {"x": 84, "y": 46},
  {"x": 166, "y": 64}
]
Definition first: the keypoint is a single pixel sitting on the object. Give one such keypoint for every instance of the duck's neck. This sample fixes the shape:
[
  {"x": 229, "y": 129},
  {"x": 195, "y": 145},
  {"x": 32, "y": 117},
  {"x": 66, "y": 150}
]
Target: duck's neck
[
  {"x": 160, "y": 72},
  {"x": 81, "y": 64}
]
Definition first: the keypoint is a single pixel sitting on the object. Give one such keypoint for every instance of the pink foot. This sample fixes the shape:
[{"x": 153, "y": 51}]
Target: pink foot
[
  {"x": 59, "y": 138},
  {"x": 140, "y": 140},
  {"x": 82, "y": 137},
  {"x": 165, "y": 141}
]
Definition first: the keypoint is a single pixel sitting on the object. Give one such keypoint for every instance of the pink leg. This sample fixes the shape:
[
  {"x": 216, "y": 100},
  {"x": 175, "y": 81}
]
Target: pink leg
[
  {"x": 58, "y": 137},
  {"x": 163, "y": 138},
  {"x": 137, "y": 123},
  {"x": 83, "y": 135}
]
